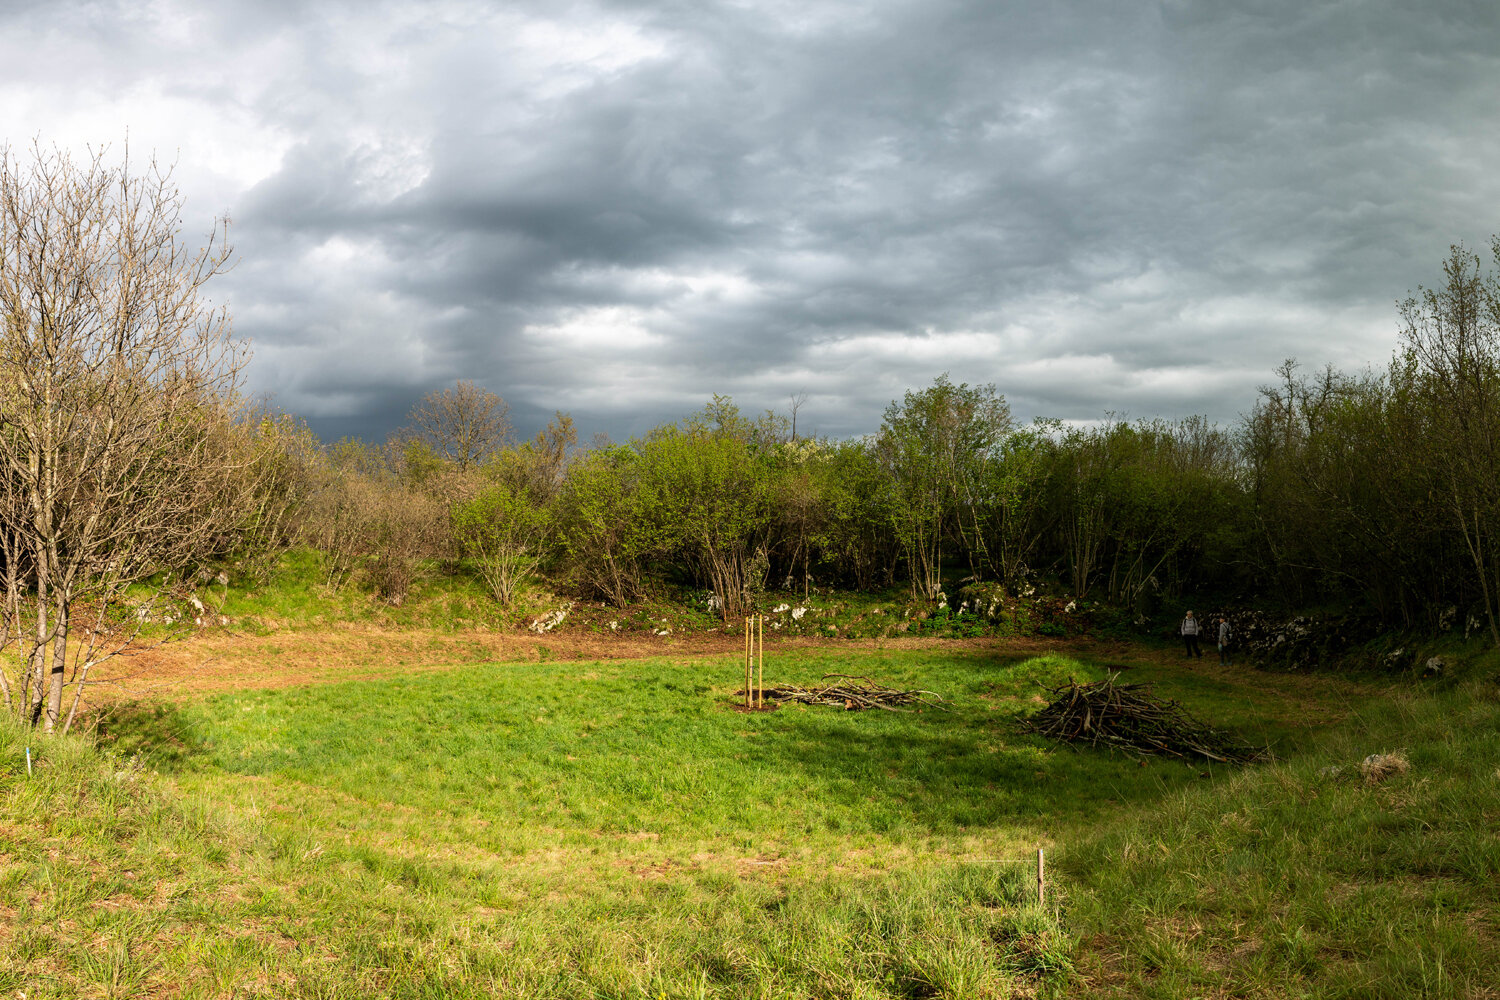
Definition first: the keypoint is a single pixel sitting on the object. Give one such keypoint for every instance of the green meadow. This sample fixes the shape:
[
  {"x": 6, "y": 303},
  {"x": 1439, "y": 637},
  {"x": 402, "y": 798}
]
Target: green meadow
[{"x": 617, "y": 829}]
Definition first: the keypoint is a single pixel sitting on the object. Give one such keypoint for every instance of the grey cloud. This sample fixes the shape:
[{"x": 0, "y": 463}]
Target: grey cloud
[{"x": 1097, "y": 206}]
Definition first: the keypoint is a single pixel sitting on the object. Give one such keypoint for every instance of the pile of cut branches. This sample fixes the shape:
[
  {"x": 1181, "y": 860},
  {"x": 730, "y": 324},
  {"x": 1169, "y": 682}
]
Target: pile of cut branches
[
  {"x": 845, "y": 692},
  {"x": 1127, "y": 717}
]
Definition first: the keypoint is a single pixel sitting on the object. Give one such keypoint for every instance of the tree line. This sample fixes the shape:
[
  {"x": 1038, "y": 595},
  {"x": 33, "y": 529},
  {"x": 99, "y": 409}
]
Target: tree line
[
  {"x": 129, "y": 460},
  {"x": 1375, "y": 490}
]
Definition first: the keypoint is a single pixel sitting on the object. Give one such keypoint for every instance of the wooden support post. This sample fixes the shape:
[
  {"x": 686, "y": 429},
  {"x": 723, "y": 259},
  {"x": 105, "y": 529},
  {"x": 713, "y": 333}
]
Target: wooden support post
[
  {"x": 747, "y": 662},
  {"x": 1041, "y": 879},
  {"x": 760, "y": 662}
]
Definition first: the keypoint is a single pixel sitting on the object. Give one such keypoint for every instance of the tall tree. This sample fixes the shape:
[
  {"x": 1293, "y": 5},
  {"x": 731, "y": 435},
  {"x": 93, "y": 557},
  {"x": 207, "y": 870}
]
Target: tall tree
[
  {"x": 610, "y": 521},
  {"x": 465, "y": 423},
  {"x": 1015, "y": 500},
  {"x": 1451, "y": 336},
  {"x": 936, "y": 445},
  {"x": 716, "y": 492},
  {"x": 116, "y": 378}
]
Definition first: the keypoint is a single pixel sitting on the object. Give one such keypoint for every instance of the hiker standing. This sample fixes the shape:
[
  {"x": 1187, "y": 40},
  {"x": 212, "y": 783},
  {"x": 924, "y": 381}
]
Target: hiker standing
[
  {"x": 1224, "y": 642},
  {"x": 1190, "y": 636}
]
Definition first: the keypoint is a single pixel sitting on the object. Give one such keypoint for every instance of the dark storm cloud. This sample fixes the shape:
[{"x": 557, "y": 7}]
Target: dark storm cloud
[{"x": 620, "y": 209}]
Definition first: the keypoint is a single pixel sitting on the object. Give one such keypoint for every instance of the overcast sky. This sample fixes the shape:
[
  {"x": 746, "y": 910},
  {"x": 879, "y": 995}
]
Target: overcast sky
[{"x": 618, "y": 209}]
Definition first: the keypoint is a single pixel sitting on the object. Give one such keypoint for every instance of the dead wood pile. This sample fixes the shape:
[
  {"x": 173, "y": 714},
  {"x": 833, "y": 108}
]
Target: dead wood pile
[
  {"x": 1127, "y": 717},
  {"x": 845, "y": 692}
]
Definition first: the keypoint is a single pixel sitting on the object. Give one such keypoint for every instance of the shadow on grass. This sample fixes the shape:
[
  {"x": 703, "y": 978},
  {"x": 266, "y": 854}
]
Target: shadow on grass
[
  {"x": 953, "y": 773},
  {"x": 162, "y": 734}
]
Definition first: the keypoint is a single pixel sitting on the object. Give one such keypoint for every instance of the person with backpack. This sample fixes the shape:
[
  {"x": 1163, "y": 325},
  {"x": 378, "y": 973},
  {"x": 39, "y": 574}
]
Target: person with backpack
[
  {"x": 1224, "y": 658},
  {"x": 1190, "y": 636}
]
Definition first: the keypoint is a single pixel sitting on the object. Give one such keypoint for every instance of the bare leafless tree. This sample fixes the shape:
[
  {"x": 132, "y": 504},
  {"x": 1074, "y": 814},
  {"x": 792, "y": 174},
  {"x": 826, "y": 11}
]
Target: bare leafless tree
[
  {"x": 122, "y": 458},
  {"x": 464, "y": 424},
  {"x": 799, "y": 399}
]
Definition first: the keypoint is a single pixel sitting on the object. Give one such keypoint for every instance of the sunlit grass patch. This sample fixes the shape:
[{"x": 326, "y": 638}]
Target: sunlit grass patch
[{"x": 605, "y": 748}]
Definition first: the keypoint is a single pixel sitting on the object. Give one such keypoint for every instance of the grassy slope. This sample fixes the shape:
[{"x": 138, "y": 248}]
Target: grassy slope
[
  {"x": 612, "y": 829},
  {"x": 1295, "y": 881}
]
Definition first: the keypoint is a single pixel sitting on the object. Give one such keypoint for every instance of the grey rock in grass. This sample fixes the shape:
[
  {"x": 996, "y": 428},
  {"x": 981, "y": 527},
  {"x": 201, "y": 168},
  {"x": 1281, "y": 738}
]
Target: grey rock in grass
[{"x": 550, "y": 620}]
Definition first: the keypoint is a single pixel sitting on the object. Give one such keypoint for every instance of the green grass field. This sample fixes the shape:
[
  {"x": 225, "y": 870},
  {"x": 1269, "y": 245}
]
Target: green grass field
[{"x": 617, "y": 829}]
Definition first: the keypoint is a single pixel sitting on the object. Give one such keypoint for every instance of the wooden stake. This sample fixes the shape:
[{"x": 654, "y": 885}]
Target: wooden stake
[
  {"x": 747, "y": 662},
  {"x": 1041, "y": 879},
  {"x": 760, "y": 663}
]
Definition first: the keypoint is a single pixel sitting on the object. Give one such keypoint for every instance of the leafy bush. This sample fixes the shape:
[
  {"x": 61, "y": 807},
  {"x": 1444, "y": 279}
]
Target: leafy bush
[{"x": 503, "y": 529}]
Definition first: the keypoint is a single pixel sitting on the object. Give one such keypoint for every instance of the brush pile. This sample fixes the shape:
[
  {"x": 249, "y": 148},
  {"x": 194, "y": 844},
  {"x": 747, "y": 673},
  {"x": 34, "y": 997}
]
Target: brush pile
[
  {"x": 847, "y": 693},
  {"x": 1127, "y": 717}
]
